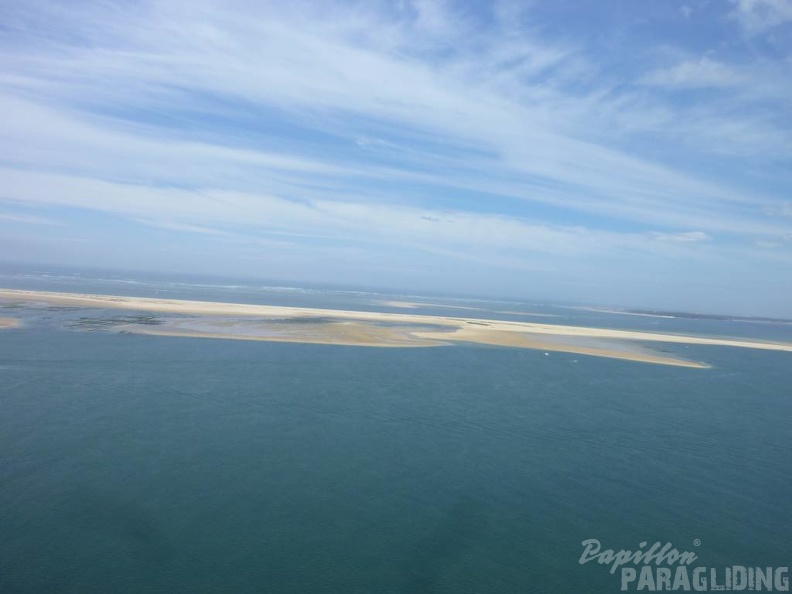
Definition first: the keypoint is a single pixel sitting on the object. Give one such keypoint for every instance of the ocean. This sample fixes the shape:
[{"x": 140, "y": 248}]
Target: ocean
[{"x": 133, "y": 463}]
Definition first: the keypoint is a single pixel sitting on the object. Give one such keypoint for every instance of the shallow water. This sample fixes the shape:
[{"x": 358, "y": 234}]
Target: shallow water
[{"x": 139, "y": 463}]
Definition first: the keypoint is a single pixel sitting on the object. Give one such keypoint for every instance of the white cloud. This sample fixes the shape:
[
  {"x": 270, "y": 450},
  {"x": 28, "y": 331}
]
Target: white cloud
[
  {"x": 183, "y": 227},
  {"x": 245, "y": 216},
  {"x": 683, "y": 237},
  {"x": 757, "y": 16},
  {"x": 768, "y": 244},
  {"x": 582, "y": 174},
  {"x": 366, "y": 123},
  {"x": 29, "y": 219},
  {"x": 779, "y": 209},
  {"x": 703, "y": 73}
]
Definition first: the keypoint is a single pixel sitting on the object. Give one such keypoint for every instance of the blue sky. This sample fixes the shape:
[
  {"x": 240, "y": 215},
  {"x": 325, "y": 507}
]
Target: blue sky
[{"x": 611, "y": 151}]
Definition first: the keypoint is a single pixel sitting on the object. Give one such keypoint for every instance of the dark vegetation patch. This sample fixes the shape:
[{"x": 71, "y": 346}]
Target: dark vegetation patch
[{"x": 86, "y": 323}]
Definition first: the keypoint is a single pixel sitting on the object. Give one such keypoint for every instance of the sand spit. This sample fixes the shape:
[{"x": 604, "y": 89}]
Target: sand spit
[
  {"x": 611, "y": 348},
  {"x": 528, "y": 313},
  {"x": 8, "y": 323},
  {"x": 402, "y": 329},
  {"x": 327, "y": 332},
  {"x": 372, "y": 334},
  {"x": 626, "y": 313},
  {"x": 399, "y": 304},
  {"x": 416, "y": 304}
]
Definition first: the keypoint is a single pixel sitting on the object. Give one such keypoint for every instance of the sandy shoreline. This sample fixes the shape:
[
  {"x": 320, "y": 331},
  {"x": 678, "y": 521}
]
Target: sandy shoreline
[
  {"x": 367, "y": 329},
  {"x": 9, "y": 323}
]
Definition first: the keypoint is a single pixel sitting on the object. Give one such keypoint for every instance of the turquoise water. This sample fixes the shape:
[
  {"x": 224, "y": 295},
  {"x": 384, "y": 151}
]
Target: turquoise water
[{"x": 144, "y": 464}]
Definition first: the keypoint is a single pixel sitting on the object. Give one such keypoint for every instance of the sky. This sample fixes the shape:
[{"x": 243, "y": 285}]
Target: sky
[{"x": 633, "y": 154}]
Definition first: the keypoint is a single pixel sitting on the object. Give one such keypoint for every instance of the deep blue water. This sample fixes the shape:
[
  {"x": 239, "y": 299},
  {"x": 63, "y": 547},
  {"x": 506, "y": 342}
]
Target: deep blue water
[{"x": 145, "y": 464}]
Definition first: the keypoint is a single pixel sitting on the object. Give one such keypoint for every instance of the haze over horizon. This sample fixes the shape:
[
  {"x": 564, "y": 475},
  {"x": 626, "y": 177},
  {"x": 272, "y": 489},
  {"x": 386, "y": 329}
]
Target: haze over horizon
[{"x": 636, "y": 154}]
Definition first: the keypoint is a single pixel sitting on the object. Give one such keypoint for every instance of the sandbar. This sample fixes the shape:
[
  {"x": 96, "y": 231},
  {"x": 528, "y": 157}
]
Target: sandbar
[
  {"x": 390, "y": 329},
  {"x": 416, "y": 304},
  {"x": 527, "y": 313},
  {"x": 347, "y": 333},
  {"x": 8, "y": 323}
]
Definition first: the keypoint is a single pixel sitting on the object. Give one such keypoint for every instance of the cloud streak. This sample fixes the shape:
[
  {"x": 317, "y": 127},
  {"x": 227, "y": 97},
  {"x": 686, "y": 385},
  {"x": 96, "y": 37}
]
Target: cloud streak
[{"x": 462, "y": 131}]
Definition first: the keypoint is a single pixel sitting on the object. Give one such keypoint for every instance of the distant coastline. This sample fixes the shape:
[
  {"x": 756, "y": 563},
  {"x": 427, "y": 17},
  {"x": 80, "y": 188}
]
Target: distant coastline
[
  {"x": 220, "y": 320},
  {"x": 689, "y": 315}
]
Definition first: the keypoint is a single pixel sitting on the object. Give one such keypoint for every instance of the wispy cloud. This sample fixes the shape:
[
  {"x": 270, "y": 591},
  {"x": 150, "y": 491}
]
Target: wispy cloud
[
  {"x": 28, "y": 219},
  {"x": 703, "y": 73},
  {"x": 683, "y": 237},
  {"x": 759, "y": 15},
  {"x": 183, "y": 227},
  {"x": 459, "y": 130}
]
